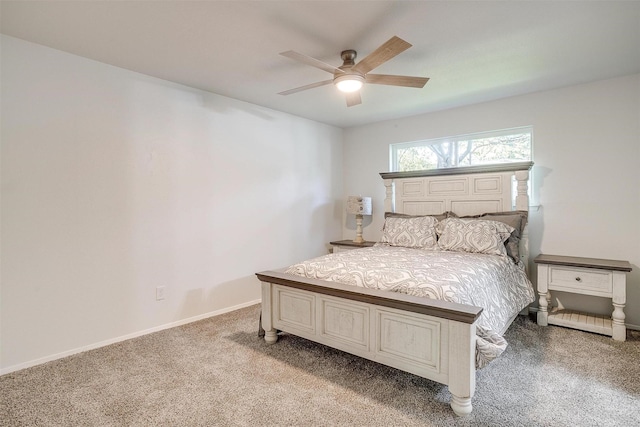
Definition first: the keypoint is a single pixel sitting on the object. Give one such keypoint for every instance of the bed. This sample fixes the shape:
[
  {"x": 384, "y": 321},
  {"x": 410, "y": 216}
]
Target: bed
[{"x": 354, "y": 301}]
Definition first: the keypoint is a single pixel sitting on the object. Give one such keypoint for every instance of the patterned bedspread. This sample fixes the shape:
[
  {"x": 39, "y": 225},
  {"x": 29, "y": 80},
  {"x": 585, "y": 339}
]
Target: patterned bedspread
[{"x": 492, "y": 282}]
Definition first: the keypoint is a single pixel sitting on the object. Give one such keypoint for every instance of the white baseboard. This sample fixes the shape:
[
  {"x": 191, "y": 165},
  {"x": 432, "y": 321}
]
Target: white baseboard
[{"x": 52, "y": 357}]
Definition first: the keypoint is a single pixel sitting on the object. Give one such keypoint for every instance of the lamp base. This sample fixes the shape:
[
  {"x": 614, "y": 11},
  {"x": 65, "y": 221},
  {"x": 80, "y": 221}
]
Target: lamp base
[{"x": 358, "y": 238}]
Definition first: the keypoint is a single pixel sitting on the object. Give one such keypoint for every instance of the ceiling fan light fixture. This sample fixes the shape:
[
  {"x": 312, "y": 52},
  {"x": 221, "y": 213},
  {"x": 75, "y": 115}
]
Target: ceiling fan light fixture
[{"x": 349, "y": 82}]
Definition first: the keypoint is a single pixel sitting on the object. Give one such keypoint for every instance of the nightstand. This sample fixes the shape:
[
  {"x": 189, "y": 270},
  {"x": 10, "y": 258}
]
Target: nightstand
[
  {"x": 587, "y": 276},
  {"x": 347, "y": 245}
]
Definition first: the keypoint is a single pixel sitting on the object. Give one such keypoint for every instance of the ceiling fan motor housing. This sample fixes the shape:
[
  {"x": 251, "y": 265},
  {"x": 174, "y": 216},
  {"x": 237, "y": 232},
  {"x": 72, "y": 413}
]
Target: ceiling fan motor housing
[
  {"x": 347, "y": 80},
  {"x": 348, "y": 58}
]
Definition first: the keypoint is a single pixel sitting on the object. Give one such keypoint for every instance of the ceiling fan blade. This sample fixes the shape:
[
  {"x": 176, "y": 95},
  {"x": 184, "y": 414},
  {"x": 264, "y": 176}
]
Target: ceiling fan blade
[
  {"x": 388, "y": 50},
  {"x": 311, "y": 61},
  {"x": 305, "y": 87},
  {"x": 353, "y": 98},
  {"x": 407, "y": 81}
]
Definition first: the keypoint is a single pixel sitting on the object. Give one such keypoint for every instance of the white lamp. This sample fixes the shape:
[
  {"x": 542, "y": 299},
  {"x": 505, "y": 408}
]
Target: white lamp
[{"x": 359, "y": 206}]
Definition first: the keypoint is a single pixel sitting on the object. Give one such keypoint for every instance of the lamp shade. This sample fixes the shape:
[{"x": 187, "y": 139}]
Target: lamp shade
[{"x": 358, "y": 205}]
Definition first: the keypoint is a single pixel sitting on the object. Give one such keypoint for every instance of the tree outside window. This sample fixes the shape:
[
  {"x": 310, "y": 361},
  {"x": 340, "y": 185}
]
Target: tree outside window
[{"x": 512, "y": 145}]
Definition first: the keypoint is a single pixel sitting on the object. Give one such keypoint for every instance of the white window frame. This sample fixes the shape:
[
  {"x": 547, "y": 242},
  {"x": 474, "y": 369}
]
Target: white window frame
[{"x": 393, "y": 148}]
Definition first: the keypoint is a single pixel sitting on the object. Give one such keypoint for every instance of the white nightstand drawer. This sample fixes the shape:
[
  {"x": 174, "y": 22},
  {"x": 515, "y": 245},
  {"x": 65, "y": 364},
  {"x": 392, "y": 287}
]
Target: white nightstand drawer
[{"x": 582, "y": 280}]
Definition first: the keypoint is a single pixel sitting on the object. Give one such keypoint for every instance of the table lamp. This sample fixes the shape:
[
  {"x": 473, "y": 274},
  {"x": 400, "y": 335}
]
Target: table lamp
[{"x": 358, "y": 206}]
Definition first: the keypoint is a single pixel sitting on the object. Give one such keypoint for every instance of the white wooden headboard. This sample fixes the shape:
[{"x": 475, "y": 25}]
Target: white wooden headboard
[{"x": 472, "y": 190}]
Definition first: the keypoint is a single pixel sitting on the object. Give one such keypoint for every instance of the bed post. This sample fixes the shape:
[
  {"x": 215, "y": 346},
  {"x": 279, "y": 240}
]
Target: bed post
[
  {"x": 270, "y": 335},
  {"x": 389, "y": 200},
  {"x": 522, "y": 204},
  {"x": 462, "y": 366}
]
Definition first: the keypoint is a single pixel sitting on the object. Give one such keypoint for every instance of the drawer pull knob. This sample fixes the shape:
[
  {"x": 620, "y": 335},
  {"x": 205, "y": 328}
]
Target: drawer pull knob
[{"x": 578, "y": 279}]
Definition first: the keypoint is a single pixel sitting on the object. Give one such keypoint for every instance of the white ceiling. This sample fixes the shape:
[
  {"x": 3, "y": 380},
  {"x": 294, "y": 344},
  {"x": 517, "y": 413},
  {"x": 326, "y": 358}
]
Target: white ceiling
[{"x": 473, "y": 51}]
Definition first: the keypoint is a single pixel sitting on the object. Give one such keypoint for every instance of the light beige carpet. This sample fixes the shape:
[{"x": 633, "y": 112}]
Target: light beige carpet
[{"x": 217, "y": 372}]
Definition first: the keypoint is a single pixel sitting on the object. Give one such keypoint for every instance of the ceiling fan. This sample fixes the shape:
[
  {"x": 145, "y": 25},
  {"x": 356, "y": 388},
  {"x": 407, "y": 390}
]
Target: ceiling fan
[{"x": 350, "y": 77}]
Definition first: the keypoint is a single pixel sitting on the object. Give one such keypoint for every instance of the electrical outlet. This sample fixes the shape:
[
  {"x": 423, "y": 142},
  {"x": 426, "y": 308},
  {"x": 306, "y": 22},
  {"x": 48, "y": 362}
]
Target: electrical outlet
[{"x": 159, "y": 293}]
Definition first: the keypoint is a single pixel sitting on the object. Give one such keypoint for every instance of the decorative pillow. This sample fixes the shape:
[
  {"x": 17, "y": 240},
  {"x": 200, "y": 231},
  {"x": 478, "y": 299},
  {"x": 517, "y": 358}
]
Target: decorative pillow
[
  {"x": 412, "y": 232},
  {"x": 473, "y": 235},
  {"x": 515, "y": 219},
  {"x": 439, "y": 217}
]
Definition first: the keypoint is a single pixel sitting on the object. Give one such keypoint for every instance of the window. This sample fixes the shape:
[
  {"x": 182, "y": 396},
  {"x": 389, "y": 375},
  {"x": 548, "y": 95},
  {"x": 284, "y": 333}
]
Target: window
[{"x": 503, "y": 146}]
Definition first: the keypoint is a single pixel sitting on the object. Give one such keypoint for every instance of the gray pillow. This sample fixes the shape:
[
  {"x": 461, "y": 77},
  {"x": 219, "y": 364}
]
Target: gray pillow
[
  {"x": 475, "y": 235},
  {"x": 515, "y": 219},
  {"x": 439, "y": 217},
  {"x": 413, "y": 232}
]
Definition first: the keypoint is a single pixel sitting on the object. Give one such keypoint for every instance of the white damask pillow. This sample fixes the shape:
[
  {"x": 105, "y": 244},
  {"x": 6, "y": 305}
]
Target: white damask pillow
[
  {"x": 414, "y": 232},
  {"x": 473, "y": 235}
]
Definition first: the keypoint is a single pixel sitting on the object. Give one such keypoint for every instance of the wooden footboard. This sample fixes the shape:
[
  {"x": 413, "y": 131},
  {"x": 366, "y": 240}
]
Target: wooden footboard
[{"x": 430, "y": 338}]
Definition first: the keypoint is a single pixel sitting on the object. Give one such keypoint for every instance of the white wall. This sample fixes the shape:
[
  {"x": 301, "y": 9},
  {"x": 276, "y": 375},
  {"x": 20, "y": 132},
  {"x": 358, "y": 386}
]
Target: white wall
[
  {"x": 586, "y": 175},
  {"x": 114, "y": 183}
]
